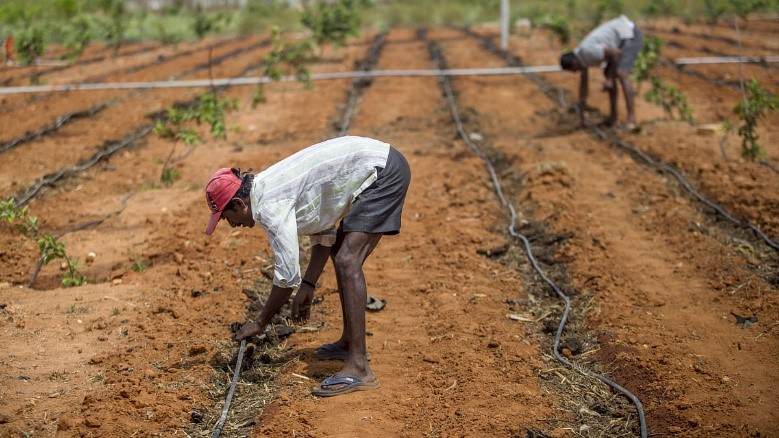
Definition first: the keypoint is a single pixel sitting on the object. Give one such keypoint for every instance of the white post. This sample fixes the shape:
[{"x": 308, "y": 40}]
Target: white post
[{"x": 504, "y": 24}]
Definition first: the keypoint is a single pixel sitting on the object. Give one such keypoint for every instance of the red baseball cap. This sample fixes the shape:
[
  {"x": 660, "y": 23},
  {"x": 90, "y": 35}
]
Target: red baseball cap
[{"x": 220, "y": 189}]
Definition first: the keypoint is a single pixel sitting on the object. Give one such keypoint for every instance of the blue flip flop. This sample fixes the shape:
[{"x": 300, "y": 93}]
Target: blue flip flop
[
  {"x": 332, "y": 352},
  {"x": 337, "y": 385}
]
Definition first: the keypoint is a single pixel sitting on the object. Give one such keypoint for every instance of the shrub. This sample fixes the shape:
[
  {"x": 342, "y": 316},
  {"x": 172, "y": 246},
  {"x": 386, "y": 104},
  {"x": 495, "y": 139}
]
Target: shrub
[
  {"x": 49, "y": 245},
  {"x": 30, "y": 44},
  {"x": 558, "y": 25},
  {"x": 751, "y": 110},
  {"x": 669, "y": 98},
  {"x": 333, "y": 23},
  {"x": 647, "y": 59}
]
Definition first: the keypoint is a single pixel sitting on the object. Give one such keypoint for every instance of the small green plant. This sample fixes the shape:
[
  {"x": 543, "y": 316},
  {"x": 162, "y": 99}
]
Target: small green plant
[
  {"x": 202, "y": 24},
  {"x": 210, "y": 109},
  {"x": 77, "y": 37},
  {"x": 742, "y": 8},
  {"x": 750, "y": 111},
  {"x": 558, "y": 25},
  {"x": 30, "y": 44},
  {"x": 114, "y": 26},
  {"x": 657, "y": 8},
  {"x": 286, "y": 58},
  {"x": 669, "y": 98},
  {"x": 646, "y": 60},
  {"x": 334, "y": 22},
  {"x": 10, "y": 213},
  {"x": 713, "y": 10},
  {"x": 139, "y": 265},
  {"x": 50, "y": 247}
]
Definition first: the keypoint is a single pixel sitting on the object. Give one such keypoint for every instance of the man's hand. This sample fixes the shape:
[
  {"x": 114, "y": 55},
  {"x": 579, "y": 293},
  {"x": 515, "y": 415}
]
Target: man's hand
[
  {"x": 247, "y": 330},
  {"x": 301, "y": 304}
]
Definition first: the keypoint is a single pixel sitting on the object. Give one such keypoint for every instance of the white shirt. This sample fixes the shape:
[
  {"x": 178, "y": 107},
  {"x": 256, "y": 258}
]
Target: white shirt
[
  {"x": 609, "y": 34},
  {"x": 308, "y": 193}
]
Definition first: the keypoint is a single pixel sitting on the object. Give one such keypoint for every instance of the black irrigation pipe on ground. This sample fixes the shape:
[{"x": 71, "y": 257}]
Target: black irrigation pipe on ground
[
  {"x": 111, "y": 147},
  {"x": 61, "y": 121},
  {"x": 83, "y": 226},
  {"x": 446, "y": 85},
  {"x": 558, "y": 94},
  {"x": 70, "y": 117},
  {"x": 130, "y": 70},
  {"x": 236, "y": 374},
  {"x": 358, "y": 85},
  {"x": 85, "y": 62}
]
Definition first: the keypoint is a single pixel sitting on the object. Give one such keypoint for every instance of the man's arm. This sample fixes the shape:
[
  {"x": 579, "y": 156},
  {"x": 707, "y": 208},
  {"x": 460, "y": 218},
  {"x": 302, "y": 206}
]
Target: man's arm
[
  {"x": 278, "y": 297},
  {"x": 612, "y": 55},
  {"x": 301, "y": 305}
]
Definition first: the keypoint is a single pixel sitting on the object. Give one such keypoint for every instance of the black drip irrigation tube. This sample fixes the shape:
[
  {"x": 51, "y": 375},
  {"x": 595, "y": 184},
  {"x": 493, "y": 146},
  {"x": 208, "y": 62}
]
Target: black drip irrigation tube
[
  {"x": 357, "y": 85},
  {"x": 220, "y": 424},
  {"x": 60, "y": 122},
  {"x": 449, "y": 94},
  {"x": 70, "y": 117},
  {"x": 112, "y": 146},
  {"x": 558, "y": 94}
]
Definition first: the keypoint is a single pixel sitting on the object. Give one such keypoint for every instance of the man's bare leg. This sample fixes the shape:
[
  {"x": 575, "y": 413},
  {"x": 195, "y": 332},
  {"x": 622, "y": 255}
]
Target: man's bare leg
[{"x": 354, "y": 250}]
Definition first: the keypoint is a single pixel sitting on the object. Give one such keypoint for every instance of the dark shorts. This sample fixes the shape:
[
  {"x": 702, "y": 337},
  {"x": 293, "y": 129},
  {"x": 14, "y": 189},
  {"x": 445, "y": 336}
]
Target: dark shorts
[
  {"x": 378, "y": 208},
  {"x": 630, "y": 49}
]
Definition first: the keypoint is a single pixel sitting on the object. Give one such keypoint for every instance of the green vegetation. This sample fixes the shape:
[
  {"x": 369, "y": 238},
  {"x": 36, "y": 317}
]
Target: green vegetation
[
  {"x": 646, "y": 60},
  {"x": 558, "y": 25},
  {"x": 334, "y": 23},
  {"x": 50, "y": 246},
  {"x": 750, "y": 111},
  {"x": 30, "y": 45},
  {"x": 177, "y": 126},
  {"x": 286, "y": 58},
  {"x": 669, "y": 98},
  {"x": 139, "y": 265}
]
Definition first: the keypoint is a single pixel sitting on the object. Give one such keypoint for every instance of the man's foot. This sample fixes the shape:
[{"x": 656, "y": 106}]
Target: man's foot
[
  {"x": 337, "y": 385},
  {"x": 631, "y": 127}
]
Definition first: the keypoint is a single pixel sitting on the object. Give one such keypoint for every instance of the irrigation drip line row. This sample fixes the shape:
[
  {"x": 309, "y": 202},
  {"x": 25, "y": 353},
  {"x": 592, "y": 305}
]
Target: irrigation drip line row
[
  {"x": 113, "y": 147},
  {"x": 358, "y": 84},
  {"x": 127, "y": 71},
  {"x": 60, "y": 122},
  {"x": 665, "y": 167},
  {"x": 80, "y": 227},
  {"x": 558, "y": 94},
  {"x": 109, "y": 150},
  {"x": 446, "y": 85},
  {"x": 70, "y": 117},
  {"x": 721, "y": 57},
  {"x": 87, "y": 61}
]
